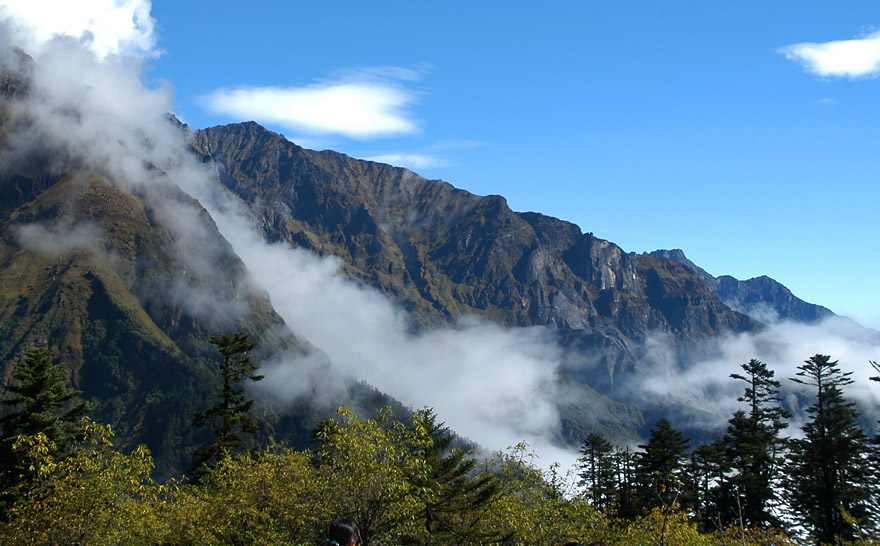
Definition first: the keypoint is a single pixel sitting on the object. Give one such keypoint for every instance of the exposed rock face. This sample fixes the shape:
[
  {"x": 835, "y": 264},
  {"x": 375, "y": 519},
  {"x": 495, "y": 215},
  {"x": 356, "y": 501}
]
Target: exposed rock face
[
  {"x": 445, "y": 253},
  {"x": 126, "y": 296}
]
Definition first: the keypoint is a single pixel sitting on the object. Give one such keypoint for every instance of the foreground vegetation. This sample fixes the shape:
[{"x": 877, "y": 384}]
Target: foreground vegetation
[
  {"x": 404, "y": 481},
  {"x": 389, "y": 476}
]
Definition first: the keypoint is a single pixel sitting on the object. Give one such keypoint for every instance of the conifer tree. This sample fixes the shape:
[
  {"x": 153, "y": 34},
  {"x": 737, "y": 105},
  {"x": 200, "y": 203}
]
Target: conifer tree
[
  {"x": 754, "y": 449},
  {"x": 707, "y": 471},
  {"x": 624, "y": 463},
  {"x": 828, "y": 470},
  {"x": 660, "y": 466},
  {"x": 597, "y": 471},
  {"x": 454, "y": 490},
  {"x": 229, "y": 419},
  {"x": 43, "y": 402},
  {"x": 875, "y": 458}
]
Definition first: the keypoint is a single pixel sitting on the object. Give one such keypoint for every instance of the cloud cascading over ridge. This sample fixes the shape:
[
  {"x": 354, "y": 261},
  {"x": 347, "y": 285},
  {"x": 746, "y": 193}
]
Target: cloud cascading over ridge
[
  {"x": 856, "y": 58},
  {"x": 356, "y": 107},
  {"x": 107, "y": 27}
]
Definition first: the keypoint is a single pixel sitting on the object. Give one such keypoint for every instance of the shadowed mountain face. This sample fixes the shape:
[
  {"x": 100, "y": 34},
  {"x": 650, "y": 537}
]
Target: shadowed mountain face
[
  {"x": 97, "y": 273},
  {"x": 761, "y": 296},
  {"x": 445, "y": 253}
]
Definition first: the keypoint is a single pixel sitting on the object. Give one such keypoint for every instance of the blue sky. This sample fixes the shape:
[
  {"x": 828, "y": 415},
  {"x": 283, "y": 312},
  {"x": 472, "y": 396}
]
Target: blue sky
[{"x": 743, "y": 133}]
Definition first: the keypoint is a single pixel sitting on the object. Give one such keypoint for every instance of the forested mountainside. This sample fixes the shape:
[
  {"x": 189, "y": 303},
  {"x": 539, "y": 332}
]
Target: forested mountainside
[{"x": 125, "y": 281}]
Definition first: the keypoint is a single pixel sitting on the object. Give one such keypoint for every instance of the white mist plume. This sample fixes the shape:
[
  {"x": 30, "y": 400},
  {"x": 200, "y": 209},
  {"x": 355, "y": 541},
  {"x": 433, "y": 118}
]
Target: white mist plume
[
  {"x": 91, "y": 114},
  {"x": 783, "y": 346},
  {"x": 494, "y": 385},
  {"x": 54, "y": 239}
]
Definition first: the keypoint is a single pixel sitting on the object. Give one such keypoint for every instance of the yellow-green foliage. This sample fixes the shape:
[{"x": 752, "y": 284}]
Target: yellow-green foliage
[
  {"x": 363, "y": 468},
  {"x": 95, "y": 496}
]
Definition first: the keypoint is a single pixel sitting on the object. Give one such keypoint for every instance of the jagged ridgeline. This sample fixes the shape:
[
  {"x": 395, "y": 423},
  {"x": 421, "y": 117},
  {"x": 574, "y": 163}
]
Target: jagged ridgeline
[
  {"x": 444, "y": 253},
  {"x": 126, "y": 282}
]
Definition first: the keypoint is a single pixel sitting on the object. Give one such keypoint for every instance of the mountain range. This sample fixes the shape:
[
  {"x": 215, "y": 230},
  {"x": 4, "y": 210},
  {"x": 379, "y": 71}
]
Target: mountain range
[{"x": 125, "y": 281}]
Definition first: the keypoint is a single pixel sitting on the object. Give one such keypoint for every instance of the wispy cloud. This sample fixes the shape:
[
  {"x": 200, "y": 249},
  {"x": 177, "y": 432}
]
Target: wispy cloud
[
  {"x": 107, "y": 27},
  {"x": 413, "y": 162},
  {"x": 431, "y": 157},
  {"x": 827, "y": 101},
  {"x": 360, "y": 104},
  {"x": 856, "y": 58}
]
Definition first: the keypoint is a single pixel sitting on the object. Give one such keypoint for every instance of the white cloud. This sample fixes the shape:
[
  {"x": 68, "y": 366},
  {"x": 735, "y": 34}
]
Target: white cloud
[
  {"x": 362, "y": 105},
  {"x": 56, "y": 239},
  {"x": 855, "y": 58},
  {"x": 783, "y": 346},
  {"x": 413, "y": 162},
  {"x": 431, "y": 157},
  {"x": 494, "y": 385},
  {"x": 108, "y": 27}
]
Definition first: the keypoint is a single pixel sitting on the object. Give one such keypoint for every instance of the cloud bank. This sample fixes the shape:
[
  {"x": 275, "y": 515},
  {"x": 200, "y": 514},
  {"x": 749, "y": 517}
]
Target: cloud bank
[
  {"x": 362, "y": 105},
  {"x": 856, "y": 58},
  {"x": 706, "y": 385},
  {"x": 106, "y": 27}
]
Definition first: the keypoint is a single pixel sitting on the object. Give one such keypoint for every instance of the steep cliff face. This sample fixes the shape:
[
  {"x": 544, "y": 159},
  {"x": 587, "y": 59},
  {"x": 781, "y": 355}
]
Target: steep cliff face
[
  {"x": 445, "y": 253},
  {"x": 760, "y": 297}
]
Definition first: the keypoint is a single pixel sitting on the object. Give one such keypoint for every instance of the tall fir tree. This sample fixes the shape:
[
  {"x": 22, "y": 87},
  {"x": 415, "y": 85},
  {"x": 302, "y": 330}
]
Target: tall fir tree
[
  {"x": 660, "y": 466},
  {"x": 597, "y": 472},
  {"x": 229, "y": 419},
  {"x": 828, "y": 471},
  {"x": 755, "y": 450},
  {"x": 42, "y": 402},
  {"x": 453, "y": 488}
]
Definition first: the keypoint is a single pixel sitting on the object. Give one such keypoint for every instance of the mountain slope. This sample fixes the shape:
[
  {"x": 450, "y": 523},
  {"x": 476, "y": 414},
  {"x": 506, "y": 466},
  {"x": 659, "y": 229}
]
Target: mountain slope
[
  {"x": 88, "y": 268},
  {"x": 445, "y": 253}
]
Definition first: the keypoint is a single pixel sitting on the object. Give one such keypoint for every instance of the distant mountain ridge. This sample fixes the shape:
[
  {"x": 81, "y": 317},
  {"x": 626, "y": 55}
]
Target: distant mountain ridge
[{"x": 755, "y": 297}]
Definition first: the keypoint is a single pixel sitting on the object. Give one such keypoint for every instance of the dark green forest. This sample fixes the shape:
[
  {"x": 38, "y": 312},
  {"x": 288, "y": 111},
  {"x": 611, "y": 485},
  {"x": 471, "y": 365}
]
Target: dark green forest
[{"x": 405, "y": 480}]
